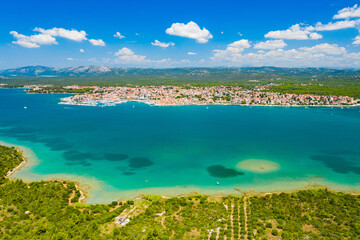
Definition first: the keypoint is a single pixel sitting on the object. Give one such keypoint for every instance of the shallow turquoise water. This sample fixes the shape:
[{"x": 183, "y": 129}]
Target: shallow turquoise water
[{"x": 136, "y": 146}]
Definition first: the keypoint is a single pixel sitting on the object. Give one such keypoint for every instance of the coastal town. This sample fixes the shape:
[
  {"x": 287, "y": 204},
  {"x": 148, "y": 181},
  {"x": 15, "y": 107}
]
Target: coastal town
[{"x": 218, "y": 95}]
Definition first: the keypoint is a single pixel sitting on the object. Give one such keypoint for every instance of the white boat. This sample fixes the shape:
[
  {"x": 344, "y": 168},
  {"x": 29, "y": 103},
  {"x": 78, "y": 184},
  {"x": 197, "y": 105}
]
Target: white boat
[
  {"x": 217, "y": 183},
  {"x": 25, "y": 107}
]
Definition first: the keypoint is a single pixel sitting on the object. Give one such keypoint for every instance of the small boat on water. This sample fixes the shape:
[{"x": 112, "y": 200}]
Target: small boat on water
[
  {"x": 217, "y": 183},
  {"x": 25, "y": 107}
]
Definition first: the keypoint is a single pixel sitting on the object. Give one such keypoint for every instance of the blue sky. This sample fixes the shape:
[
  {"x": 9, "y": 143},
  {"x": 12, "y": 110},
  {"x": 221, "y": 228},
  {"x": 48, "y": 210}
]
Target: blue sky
[{"x": 321, "y": 33}]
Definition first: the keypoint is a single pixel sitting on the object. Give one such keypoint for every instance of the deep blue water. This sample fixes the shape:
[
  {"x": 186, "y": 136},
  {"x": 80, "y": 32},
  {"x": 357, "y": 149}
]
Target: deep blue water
[{"x": 136, "y": 146}]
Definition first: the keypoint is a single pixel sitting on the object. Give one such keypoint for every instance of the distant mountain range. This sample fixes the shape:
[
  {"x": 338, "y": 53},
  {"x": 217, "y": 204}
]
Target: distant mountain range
[{"x": 106, "y": 72}]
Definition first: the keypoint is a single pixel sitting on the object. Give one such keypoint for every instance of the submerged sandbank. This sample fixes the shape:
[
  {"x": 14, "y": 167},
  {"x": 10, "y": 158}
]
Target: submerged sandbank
[{"x": 258, "y": 165}]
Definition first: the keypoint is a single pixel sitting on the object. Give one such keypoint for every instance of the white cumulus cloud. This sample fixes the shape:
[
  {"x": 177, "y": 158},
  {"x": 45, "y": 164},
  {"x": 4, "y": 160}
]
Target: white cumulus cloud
[
  {"x": 119, "y": 35},
  {"x": 270, "y": 44},
  {"x": 321, "y": 55},
  {"x": 33, "y": 41},
  {"x": 128, "y": 56},
  {"x": 162, "y": 44},
  {"x": 74, "y": 35},
  {"x": 70, "y": 59},
  {"x": 234, "y": 48},
  {"x": 82, "y": 50},
  {"x": 190, "y": 30},
  {"x": 294, "y": 32},
  {"x": 356, "y": 40},
  {"x": 336, "y": 25},
  {"x": 315, "y": 35},
  {"x": 48, "y": 37},
  {"x": 238, "y": 46},
  {"x": 349, "y": 12},
  {"x": 191, "y": 53},
  {"x": 325, "y": 48},
  {"x": 97, "y": 42}
]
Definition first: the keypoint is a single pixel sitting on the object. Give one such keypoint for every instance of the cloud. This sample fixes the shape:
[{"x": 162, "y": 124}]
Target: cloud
[
  {"x": 74, "y": 35},
  {"x": 315, "y": 36},
  {"x": 356, "y": 40},
  {"x": 325, "y": 48},
  {"x": 124, "y": 51},
  {"x": 232, "y": 49},
  {"x": 118, "y": 35},
  {"x": 270, "y": 44},
  {"x": 301, "y": 32},
  {"x": 70, "y": 59},
  {"x": 239, "y": 45},
  {"x": 190, "y": 30},
  {"x": 294, "y": 32},
  {"x": 321, "y": 55},
  {"x": 191, "y": 53},
  {"x": 128, "y": 56},
  {"x": 162, "y": 44},
  {"x": 98, "y": 42},
  {"x": 82, "y": 50},
  {"x": 33, "y": 41},
  {"x": 47, "y": 37},
  {"x": 349, "y": 12},
  {"x": 336, "y": 25}
]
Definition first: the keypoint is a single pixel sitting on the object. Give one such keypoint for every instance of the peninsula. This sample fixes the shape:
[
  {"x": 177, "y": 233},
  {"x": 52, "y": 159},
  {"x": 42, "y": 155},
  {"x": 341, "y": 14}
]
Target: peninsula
[{"x": 190, "y": 95}]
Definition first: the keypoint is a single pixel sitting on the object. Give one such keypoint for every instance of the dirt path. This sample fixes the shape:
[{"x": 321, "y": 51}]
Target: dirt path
[
  {"x": 180, "y": 208},
  {"x": 173, "y": 233},
  {"x": 210, "y": 232},
  {"x": 71, "y": 196},
  {"x": 133, "y": 209},
  {"x": 217, "y": 233},
  {"x": 163, "y": 222}
]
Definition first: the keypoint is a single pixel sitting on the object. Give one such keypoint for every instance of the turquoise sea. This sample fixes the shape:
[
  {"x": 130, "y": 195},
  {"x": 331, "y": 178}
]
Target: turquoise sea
[{"x": 134, "y": 148}]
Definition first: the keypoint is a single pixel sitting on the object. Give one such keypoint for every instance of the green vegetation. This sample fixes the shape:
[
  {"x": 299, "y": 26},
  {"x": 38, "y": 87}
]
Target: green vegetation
[
  {"x": 338, "y": 87},
  {"x": 317, "y": 214},
  {"x": 9, "y": 159},
  {"x": 50, "y": 210},
  {"x": 60, "y": 90}
]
